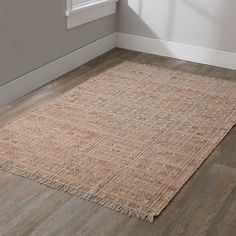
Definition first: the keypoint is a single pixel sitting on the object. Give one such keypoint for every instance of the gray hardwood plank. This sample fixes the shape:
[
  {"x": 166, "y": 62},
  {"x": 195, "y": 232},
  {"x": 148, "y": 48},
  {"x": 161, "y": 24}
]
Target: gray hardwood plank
[
  {"x": 226, "y": 218},
  {"x": 193, "y": 209},
  {"x": 203, "y": 203},
  {"x": 7, "y": 180},
  {"x": 225, "y": 153},
  {"x": 28, "y": 209},
  {"x": 104, "y": 222},
  {"x": 16, "y": 197},
  {"x": 68, "y": 219}
]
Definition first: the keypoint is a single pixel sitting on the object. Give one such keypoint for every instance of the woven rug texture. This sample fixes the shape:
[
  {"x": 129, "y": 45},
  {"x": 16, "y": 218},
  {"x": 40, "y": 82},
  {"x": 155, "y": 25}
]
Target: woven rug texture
[{"x": 128, "y": 138}]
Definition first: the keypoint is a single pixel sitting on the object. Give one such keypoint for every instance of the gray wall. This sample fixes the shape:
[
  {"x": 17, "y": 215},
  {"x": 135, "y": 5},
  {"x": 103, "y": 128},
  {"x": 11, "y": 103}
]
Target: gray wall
[
  {"x": 34, "y": 32},
  {"x": 206, "y": 23}
]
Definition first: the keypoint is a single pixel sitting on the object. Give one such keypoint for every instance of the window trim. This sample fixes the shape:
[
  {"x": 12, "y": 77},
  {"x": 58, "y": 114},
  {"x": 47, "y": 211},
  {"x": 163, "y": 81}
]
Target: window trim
[{"x": 89, "y": 12}]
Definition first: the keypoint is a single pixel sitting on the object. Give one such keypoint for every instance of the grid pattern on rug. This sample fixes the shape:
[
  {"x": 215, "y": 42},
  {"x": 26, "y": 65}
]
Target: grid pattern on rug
[{"x": 128, "y": 138}]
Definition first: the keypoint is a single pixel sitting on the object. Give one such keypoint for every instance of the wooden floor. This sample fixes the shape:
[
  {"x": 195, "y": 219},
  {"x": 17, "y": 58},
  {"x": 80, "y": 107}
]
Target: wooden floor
[{"x": 205, "y": 206}]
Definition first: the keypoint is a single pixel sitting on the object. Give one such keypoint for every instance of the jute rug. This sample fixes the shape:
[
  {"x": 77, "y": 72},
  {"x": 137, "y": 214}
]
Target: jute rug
[{"x": 128, "y": 138}]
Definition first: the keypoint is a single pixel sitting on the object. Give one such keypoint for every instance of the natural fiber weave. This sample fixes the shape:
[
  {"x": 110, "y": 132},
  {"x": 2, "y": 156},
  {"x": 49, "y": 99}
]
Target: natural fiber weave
[{"x": 128, "y": 138}]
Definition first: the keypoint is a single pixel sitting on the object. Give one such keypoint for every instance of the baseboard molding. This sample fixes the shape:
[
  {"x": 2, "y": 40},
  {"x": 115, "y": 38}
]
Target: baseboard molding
[
  {"x": 181, "y": 51},
  {"x": 39, "y": 77}
]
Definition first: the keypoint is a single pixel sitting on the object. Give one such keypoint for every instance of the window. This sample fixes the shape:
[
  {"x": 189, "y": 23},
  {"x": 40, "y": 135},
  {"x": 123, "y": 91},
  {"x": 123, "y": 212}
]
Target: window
[
  {"x": 78, "y": 3},
  {"x": 83, "y": 11}
]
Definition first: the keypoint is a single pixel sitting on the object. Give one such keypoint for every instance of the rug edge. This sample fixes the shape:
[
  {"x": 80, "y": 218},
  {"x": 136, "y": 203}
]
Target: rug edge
[
  {"x": 150, "y": 218},
  {"x": 10, "y": 168}
]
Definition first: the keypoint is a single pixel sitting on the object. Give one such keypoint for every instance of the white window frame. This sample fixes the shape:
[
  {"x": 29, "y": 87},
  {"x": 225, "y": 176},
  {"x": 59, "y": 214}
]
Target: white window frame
[{"x": 91, "y": 11}]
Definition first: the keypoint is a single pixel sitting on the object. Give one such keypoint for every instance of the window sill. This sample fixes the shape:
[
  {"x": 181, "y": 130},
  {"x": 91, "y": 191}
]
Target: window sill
[{"x": 90, "y": 12}]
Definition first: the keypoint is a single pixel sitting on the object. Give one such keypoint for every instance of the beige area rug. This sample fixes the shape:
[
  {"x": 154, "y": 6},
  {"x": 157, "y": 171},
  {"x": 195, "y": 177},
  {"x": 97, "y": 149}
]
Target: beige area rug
[{"x": 128, "y": 138}]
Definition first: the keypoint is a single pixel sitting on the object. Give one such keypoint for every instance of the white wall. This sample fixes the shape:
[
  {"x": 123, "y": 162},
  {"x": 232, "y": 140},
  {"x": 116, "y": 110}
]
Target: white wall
[
  {"x": 205, "y": 23},
  {"x": 34, "y": 33}
]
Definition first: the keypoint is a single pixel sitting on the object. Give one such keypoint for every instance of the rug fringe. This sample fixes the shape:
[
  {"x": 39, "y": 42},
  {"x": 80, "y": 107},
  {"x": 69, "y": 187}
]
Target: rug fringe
[
  {"x": 8, "y": 167},
  {"x": 182, "y": 72}
]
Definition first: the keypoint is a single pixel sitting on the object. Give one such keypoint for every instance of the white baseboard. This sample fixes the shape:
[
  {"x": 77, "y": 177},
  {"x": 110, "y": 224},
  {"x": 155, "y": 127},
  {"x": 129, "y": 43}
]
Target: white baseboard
[
  {"x": 182, "y": 51},
  {"x": 35, "y": 79}
]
